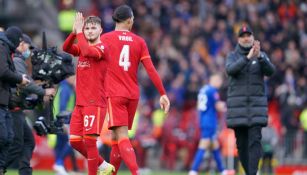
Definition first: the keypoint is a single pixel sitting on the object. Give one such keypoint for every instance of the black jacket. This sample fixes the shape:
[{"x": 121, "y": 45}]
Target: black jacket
[
  {"x": 246, "y": 97},
  {"x": 17, "y": 99},
  {"x": 21, "y": 68},
  {"x": 8, "y": 77}
]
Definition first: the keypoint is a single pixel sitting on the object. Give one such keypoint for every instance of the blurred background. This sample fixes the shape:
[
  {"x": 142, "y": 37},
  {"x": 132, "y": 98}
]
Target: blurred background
[{"x": 188, "y": 41}]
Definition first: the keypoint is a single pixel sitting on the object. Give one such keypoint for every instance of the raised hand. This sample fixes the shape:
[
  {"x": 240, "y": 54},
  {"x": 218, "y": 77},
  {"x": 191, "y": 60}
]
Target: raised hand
[
  {"x": 257, "y": 48},
  {"x": 251, "y": 53},
  {"x": 78, "y": 23},
  {"x": 164, "y": 103}
]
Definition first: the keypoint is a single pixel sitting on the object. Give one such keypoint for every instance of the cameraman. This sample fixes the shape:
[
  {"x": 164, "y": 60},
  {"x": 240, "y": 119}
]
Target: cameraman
[
  {"x": 23, "y": 144},
  {"x": 9, "y": 41}
]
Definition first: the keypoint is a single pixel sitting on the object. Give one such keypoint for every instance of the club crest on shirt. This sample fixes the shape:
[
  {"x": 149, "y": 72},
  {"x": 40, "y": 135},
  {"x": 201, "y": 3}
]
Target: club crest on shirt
[
  {"x": 101, "y": 47},
  {"x": 83, "y": 64}
]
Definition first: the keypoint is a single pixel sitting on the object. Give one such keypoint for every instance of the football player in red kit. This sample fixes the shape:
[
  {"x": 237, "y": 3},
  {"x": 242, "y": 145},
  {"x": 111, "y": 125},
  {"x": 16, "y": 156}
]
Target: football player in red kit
[
  {"x": 90, "y": 110},
  {"x": 127, "y": 51}
]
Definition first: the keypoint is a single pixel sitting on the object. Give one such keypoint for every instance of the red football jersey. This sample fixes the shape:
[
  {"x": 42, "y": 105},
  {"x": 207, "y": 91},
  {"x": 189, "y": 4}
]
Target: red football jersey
[
  {"x": 127, "y": 50},
  {"x": 91, "y": 69}
]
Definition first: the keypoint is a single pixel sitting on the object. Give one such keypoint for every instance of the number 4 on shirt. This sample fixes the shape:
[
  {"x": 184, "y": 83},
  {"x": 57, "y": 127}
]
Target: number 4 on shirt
[{"x": 124, "y": 58}]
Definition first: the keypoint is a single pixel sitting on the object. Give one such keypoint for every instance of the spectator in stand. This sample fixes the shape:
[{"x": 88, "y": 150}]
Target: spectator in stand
[
  {"x": 303, "y": 120},
  {"x": 187, "y": 31}
]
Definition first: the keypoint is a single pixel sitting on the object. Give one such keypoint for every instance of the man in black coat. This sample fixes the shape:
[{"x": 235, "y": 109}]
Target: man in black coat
[
  {"x": 247, "y": 110},
  {"x": 23, "y": 143},
  {"x": 9, "y": 41}
]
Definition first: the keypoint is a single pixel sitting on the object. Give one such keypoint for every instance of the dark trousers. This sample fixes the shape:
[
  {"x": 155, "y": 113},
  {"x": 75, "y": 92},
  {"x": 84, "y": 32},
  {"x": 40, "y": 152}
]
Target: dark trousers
[
  {"x": 6, "y": 135},
  {"x": 249, "y": 147},
  {"x": 267, "y": 167},
  {"x": 290, "y": 137},
  {"x": 23, "y": 145},
  {"x": 305, "y": 143}
]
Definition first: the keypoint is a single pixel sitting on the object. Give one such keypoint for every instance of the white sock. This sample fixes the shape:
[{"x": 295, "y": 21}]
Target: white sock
[
  {"x": 191, "y": 172},
  {"x": 103, "y": 165}
]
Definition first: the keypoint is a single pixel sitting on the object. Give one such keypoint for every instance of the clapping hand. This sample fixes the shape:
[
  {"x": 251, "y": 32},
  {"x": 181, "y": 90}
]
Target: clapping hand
[{"x": 255, "y": 50}]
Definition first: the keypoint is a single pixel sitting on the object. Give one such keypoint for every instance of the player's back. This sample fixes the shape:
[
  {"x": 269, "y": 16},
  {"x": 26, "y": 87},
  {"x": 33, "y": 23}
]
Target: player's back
[
  {"x": 207, "y": 98},
  {"x": 126, "y": 52}
]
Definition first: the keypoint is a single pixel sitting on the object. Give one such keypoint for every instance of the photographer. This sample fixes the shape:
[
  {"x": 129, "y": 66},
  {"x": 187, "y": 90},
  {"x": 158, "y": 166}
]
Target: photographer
[
  {"x": 9, "y": 41},
  {"x": 23, "y": 143}
]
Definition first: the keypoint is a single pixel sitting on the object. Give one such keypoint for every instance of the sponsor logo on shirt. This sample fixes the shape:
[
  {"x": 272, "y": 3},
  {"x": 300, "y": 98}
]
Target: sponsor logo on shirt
[{"x": 83, "y": 64}]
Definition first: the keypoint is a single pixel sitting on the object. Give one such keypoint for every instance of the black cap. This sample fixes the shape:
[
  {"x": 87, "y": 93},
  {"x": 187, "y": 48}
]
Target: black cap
[
  {"x": 28, "y": 40},
  {"x": 14, "y": 34},
  {"x": 245, "y": 29},
  {"x": 122, "y": 13}
]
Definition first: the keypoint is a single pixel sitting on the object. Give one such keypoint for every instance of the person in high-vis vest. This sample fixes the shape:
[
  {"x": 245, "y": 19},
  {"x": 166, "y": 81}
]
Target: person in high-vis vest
[
  {"x": 64, "y": 101},
  {"x": 303, "y": 120}
]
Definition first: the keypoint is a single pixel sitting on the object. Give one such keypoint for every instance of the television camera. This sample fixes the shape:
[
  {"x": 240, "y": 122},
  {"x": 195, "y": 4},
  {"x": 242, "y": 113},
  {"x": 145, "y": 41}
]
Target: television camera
[{"x": 50, "y": 67}]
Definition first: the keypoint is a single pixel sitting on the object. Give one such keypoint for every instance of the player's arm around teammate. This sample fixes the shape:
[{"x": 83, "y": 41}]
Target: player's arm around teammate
[
  {"x": 127, "y": 50},
  {"x": 90, "y": 110}
]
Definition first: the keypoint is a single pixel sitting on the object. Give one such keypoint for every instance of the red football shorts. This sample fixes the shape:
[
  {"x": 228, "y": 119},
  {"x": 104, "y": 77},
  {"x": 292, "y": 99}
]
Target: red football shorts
[
  {"x": 121, "y": 111},
  {"x": 87, "y": 120}
]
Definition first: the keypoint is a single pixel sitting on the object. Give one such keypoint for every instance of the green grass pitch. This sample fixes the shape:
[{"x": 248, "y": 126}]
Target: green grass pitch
[{"x": 35, "y": 172}]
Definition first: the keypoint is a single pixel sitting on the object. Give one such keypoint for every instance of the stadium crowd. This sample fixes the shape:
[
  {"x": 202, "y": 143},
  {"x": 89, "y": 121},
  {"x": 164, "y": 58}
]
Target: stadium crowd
[{"x": 188, "y": 41}]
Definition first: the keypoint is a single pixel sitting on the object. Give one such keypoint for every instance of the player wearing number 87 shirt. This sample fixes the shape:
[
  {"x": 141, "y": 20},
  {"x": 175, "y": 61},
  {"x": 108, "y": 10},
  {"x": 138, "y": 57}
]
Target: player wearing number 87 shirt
[
  {"x": 127, "y": 50},
  {"x": 90, "y": 110}
]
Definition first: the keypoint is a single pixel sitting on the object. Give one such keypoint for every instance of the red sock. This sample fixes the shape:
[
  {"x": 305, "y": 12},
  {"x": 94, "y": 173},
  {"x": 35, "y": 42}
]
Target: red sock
[
  {"x": 92, "y": 155},
  {"x": 115, "y": 158},
  {"x": 128, "y": 155},
  {"x": 79, "y": 145}
]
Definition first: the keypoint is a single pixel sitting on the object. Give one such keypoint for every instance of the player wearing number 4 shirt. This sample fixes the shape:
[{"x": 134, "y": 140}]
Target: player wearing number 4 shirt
[
  {"x": 127, "y": 51},
  {"x": 90, "y": 110}
]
